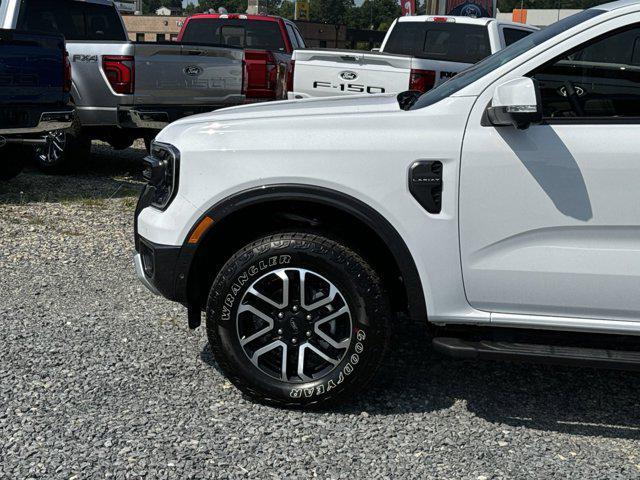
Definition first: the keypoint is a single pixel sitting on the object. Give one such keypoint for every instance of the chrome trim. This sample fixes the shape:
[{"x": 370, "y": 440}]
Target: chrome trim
[
  {"x": 137, "y": 261},
  {"x": 48, "y": 122}
]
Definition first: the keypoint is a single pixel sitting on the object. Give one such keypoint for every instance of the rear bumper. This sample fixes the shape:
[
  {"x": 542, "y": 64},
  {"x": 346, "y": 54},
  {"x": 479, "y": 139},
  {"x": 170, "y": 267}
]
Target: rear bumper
[
  {"x": 26, "y": 121},
  {"x": 157, "y": 117}
]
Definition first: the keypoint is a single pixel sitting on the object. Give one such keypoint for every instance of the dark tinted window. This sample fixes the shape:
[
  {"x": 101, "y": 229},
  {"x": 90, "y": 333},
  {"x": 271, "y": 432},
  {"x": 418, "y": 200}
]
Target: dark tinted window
[
  {"x": 252, "y": 34},
  {"x": 512, "y": 35},
  {"x": 599, "y": 79},
  {"x": 74, "y": 19},
  {"x": 453, "y": 42}
]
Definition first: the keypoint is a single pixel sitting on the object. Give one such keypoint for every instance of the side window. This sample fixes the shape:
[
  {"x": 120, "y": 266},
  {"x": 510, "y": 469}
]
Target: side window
[
  {"x": 292, "y": 37},
  {"x": 598, "y": 79},
  {"x": 512, "y": 35},
  {"x": 301, "y": 43}
]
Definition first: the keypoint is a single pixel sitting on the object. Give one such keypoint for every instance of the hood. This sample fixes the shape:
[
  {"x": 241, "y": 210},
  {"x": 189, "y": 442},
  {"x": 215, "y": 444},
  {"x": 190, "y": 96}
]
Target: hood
[{"x": 295, "y": 108}]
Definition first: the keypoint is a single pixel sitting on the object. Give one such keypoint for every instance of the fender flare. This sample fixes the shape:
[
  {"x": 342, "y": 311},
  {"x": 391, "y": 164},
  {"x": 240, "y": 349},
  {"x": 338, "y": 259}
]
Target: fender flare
[{"x": 328, "y": 197}]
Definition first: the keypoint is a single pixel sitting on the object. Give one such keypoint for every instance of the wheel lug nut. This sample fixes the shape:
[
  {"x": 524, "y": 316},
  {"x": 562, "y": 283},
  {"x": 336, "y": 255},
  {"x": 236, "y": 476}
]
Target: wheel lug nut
[
  {"x": 279, "y": 331},
  {"x": 294, "y": 340},
  {"x": 308, "y": 333},
  {"x": 295, "y": 308},
  {"x": 281, "y": 315},
  {"x": 309, "y": 317}
]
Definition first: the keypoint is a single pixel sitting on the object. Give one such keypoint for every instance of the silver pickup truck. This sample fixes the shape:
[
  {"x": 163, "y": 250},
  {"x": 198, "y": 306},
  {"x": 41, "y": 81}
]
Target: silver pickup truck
[{"x": 125, "y": 90}]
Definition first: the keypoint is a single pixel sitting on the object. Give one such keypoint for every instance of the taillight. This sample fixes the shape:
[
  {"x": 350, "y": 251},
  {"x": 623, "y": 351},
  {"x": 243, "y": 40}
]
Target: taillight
[
  {"x": 120, "y": 71},
  {"x": 66, "y": 80},
  {"x": 422, "y": 80},
  {"x": 292, "y": 66}
]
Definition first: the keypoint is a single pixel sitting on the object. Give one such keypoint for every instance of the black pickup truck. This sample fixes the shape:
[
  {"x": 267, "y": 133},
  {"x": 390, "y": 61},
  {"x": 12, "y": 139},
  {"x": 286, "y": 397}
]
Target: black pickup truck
[{"x": 35, "y": 102}]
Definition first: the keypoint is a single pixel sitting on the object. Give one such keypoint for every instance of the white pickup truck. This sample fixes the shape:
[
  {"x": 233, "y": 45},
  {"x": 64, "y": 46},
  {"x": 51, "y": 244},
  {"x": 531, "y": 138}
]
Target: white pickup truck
[
  {"x": 500, "y": 209},
  {"x": 418, "y": 53}
]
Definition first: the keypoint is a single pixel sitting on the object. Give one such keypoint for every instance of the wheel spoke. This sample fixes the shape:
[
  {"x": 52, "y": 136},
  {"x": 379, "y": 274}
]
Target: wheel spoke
[
  {"x": 267, "y": 348},
  {"x": 333, "y": 291},
  {"x": 327, "y": 338},
  {"x": 285, "y": 292},
  {"x": 259, "y": 314}
]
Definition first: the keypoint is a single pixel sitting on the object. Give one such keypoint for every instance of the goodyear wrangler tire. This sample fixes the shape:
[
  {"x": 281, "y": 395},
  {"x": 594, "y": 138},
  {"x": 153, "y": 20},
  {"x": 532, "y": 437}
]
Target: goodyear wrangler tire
[{"x": 298, "y": 320}]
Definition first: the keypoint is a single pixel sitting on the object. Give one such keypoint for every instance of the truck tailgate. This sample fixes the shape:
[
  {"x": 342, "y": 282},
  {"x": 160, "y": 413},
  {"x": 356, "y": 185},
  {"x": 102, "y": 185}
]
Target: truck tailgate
[
  {"x": 183, "y": 74},
  {"x": 320, "y": 73},
  {"x": 31, "y": 68}
]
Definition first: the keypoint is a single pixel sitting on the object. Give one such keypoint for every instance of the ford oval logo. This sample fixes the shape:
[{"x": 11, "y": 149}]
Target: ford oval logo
[
  {"x": 192, "y": 70},
  {"x": 348, "y": 75}
]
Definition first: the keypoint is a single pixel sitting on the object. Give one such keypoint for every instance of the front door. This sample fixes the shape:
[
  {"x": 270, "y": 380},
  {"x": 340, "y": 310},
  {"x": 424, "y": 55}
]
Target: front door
[{"x": 550, "y": 216}]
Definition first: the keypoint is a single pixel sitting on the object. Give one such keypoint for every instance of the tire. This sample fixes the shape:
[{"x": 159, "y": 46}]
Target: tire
[
  {"x": 61, "y": 152},
  {"x": 13, "y": 159},
  {"x": 250, "y": 323}
]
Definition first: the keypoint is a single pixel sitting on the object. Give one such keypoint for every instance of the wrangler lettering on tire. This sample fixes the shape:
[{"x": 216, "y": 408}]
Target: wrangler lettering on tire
[{"x": 297, "y": 320}]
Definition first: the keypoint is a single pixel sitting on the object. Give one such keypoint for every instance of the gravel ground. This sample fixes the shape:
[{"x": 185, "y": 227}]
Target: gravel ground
[{"x": 99, "y": 378}]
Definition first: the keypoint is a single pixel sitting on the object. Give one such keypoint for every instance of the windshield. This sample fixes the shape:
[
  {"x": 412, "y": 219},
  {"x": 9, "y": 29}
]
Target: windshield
[{"x": 498, "y": 59}]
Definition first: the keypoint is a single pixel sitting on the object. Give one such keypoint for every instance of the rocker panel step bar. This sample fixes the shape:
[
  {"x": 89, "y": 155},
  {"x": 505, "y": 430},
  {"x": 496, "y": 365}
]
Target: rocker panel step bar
[{"x": 561, "y": 355}]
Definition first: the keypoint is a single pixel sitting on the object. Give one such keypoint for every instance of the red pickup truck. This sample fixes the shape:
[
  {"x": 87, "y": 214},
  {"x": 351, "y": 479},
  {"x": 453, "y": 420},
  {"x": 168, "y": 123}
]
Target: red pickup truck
[{"x": 268, "y": 43}]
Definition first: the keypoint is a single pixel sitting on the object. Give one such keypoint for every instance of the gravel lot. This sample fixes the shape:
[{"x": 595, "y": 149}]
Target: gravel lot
[{"x": 98, "y": 378}]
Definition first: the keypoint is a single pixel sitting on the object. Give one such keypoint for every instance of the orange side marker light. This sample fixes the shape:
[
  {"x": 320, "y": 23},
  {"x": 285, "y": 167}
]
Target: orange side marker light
[{"x": 202, "y": 227}]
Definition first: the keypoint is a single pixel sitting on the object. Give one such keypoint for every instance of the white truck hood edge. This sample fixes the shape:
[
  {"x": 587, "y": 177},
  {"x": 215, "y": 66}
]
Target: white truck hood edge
[{"x": 311, "y": 106}]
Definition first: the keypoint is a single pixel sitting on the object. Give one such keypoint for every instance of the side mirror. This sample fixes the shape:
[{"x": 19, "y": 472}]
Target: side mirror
[{"x": 516, "y": 103}]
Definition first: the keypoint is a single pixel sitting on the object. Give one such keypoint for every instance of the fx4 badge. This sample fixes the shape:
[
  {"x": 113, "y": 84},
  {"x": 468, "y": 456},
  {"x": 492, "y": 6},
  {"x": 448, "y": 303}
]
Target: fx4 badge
[
  {"x": 348, "y": 75},
  {"x": 85, "y": 58},
  {"x": 192, "y": 70}
]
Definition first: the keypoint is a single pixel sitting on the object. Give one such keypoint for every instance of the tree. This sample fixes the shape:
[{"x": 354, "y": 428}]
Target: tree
[{"x": 377, "y": 14}]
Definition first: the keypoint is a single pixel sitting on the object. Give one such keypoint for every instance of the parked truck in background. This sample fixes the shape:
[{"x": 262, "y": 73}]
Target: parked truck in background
[
  {"x": 417, "y": 53},
  {"x": 268, "y": 43},
  {"x": 35, "y": 83},
  {"x": 125, "y": 90}
]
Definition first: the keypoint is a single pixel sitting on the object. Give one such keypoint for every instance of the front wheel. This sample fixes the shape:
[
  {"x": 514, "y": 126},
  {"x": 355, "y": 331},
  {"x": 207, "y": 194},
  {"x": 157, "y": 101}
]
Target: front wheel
[{"x": 298, "y": 320}]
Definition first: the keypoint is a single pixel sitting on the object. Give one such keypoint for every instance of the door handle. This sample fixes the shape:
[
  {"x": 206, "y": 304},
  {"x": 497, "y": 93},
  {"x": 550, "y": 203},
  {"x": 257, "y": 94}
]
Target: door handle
[{"x": 195, "y": 52}]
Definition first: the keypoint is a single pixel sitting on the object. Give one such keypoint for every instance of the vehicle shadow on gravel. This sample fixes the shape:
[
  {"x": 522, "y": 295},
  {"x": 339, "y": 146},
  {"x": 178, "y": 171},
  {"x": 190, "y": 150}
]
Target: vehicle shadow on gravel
[
  {"x": 107, "y": 174},
  {"x": 577, "y": 401}
]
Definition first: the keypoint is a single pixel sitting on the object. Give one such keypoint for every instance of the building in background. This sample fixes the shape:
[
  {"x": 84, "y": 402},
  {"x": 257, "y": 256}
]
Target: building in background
[
  {"x": 153, "y": 28},
  {"x": 538, "y": 17},
  {"x": 169, "y": 11}
]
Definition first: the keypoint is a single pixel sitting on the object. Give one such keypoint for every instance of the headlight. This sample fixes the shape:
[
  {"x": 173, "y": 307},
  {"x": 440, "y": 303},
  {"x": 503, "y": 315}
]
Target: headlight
[{"x": 162, "y": 168}]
